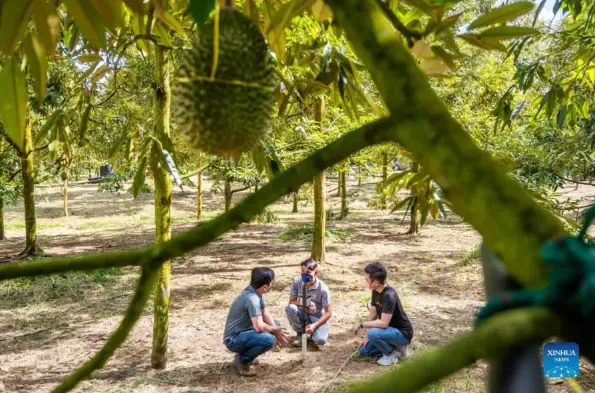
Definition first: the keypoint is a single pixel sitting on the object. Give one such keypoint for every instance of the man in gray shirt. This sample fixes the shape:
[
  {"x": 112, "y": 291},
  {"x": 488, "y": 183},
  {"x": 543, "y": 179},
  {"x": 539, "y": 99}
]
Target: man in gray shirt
[
  {"x": 318, "y": 298},
  {"x": 250, "y": 330}
]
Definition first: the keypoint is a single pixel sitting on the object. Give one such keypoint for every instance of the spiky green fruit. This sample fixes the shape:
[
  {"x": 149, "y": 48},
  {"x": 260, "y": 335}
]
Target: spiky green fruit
[{"x": 230, "y": 113}]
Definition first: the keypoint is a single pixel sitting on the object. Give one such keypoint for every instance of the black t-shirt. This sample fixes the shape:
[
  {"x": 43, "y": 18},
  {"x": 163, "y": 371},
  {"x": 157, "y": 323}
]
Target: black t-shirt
[{"x": 388, "y": 302}]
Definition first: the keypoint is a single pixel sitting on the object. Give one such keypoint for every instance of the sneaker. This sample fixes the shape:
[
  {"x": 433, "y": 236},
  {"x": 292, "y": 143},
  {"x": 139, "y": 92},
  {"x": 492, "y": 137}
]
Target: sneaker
[
  {"x": 243, "y": 369},
  {"x": 297, "y": 341},
  {"x": 255, "y": 362},
  {"x": 388, "y": 360},
  {"x": 403, "y": 353}
]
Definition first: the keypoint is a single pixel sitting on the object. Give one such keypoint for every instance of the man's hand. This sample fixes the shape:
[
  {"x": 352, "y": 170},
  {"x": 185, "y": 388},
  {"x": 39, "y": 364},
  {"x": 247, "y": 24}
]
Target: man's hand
[
  {"x": 311, "y": 328},
  {"x": 281, "y": 336},
  {"x": 312, "y": 308},
  {"x": 355, "y": 328},
  {"x": 364, "y": 342}
]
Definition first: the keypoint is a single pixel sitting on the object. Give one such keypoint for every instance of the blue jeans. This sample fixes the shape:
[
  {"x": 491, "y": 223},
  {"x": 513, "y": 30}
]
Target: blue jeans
[
  {"x": 250, "y": 344},
  {"x": 294, "y": 315},
  {"x": 382, "y": 341}
]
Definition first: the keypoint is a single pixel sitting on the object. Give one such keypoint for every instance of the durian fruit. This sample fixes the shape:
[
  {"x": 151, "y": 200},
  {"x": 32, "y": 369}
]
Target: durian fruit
[{"x": 230, "y": 114}]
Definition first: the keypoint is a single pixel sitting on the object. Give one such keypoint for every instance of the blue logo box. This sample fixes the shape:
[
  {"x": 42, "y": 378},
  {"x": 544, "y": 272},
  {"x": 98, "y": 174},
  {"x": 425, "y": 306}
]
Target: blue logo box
[{"x": 560, "y": 360}]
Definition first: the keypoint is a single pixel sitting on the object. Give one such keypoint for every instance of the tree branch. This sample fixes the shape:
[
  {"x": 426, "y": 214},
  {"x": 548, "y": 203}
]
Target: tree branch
[
  {"x": 491, "y": 340},
  {"x": 196, "y": 172},
  {"x": 14, "y": 174},
  {"x": 239, "y": 190},
  {"x": 469, "y": 177},
  {"x": 244, "y": 211},
  {"x": 135, "y": 310},
  {"x": 574, "y": 181}
]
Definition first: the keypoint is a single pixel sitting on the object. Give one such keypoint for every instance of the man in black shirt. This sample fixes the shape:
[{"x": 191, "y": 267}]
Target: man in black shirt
[{"x": 388, "y": 329}]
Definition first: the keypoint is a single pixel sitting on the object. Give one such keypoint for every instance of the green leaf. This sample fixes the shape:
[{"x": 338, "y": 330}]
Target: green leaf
[
  {"x": 321, "y": 11},
  {"x": 445, "y": 56},
  {"x": 48, "y": 125},
  {"x": 251, "y": 11},
  {"x": 541, "y": 5},
  {"x": 508, "y": 32},
  {"x": 562, "y": 115},
  {"x": 138, "y": 27},
  {"x": 447, "y": 23},
  {"x": 116, "y": 146},
  {"x": 99, "y": 73},
  {"x": 38, "y": 64},
  {"x": 47, "y": 21},
  {"x": 91, "y": 57},
  {"x": 13, "y": 102},
  {"x": 401, "y": 204},
  {"x": 88, "y": 21},
  {"x": 286, "y": 13},
  {"x": 201, "y": 10},
  {"x": 502, "y": 14},
  {"x": 135, "y": 5},
  {"x": 13, "y": 21},
  {"x": 163, "y": 34},
  {"x": 421, "y": 5},
  {"x": 111, "y": 11},
  {"x": 139, "y": 177},
  {"x": 173, "y": 23},
  {"x": 476, "y": 40},
  {"x": 259, "y": 157}
]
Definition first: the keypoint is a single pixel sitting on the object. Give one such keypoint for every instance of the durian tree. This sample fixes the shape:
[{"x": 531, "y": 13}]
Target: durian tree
[{"x": 416, "y": 119}]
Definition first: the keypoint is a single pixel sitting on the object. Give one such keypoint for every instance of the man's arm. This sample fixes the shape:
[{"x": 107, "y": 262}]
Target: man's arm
[
  {"x": 261, "y": 326},
  {"x": 267, "y": 318},
  {"x": 328, "y": 313}
]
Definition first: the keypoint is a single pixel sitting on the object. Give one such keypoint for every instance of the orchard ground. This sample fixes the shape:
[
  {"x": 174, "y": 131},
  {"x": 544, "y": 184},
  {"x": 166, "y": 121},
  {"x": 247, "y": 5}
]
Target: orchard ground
[{"x": 50, "y": 325}]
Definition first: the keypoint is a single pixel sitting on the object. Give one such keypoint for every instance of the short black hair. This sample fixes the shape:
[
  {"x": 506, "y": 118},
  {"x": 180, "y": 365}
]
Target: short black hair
[
  {"x": 310, "y": 264},
  {"x": 376, "y": 271},
  {"x": 261, "y": 276}
]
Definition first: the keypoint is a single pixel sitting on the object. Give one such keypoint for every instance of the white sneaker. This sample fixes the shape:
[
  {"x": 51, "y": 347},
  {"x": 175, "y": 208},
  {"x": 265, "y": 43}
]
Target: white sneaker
[
  {"x": 388, "y": 360},
  {"x": 403, "y": 353}
]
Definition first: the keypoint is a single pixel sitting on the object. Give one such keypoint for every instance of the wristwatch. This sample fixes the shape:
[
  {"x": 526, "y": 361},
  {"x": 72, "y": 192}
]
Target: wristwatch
[{"x": 361, "y": 325}]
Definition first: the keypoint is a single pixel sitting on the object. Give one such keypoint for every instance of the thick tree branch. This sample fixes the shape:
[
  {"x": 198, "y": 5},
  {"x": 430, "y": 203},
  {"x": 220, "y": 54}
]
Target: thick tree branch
[
  {"x": 135, "y": 310},
  {"x": 244, "y": 211},
  {"x": 491, "y": 340},
  {"x": 574, "y": 181},
  {"x": 239, "y": 190},
  {"x": 470, "y": 178}
]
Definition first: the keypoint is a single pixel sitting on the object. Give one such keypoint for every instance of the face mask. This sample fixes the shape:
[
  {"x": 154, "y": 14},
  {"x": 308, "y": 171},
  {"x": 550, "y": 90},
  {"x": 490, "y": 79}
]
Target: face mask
[{"x": 307, "y": 277}]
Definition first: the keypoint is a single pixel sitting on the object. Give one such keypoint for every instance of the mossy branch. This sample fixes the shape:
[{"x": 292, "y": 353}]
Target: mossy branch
[
  {"x": 513, "y": 225},
  {"x": 244, "y": 211},
  {"x": 137, "y": 305},
  {"x": 490, "y": 341}
]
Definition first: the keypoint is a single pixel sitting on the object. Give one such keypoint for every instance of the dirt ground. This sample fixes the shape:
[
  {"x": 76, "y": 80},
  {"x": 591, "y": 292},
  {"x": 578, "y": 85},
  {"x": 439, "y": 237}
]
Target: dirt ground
[{"x": 50, "y": 325}]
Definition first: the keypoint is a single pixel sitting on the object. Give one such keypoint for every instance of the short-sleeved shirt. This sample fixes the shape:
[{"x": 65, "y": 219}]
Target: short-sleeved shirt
[
  {"x": 388, "y": 302},
  {"x": 317, "y": 293},
  {"x": 246, "y": 305}
]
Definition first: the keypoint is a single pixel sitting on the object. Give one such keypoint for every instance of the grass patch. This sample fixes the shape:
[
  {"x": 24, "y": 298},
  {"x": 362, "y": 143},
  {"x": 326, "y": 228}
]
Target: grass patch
[
  {"x": 469, "y": 256},
  {"x": 61, "y": 287},
  {"x": 94, "y": 224},
  {"x": 40, "y": 225},
  {"x": 304, "y": 232}
]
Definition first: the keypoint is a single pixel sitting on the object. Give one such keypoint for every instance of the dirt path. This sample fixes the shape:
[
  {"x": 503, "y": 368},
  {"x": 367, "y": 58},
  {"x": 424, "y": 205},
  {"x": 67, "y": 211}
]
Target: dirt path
[{"x": 50, "y": 325}]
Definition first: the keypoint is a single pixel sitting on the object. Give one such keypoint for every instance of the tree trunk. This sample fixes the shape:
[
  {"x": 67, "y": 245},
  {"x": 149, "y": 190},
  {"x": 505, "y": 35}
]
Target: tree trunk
[
  {"x": 343, "y": 194},
  {"x": 162, "y": 211},
  {"x": 199, "y": 191},
  {"x": 295, "y": 202},
  {"x": 318, "y": 238},
  {"x": 1, "y": 219},
  {"x": 199, "y": 196},
  {"x": 340, "y": 179},
  {"x": 31, "y": 247},
  {"x": 228, "y": 193},
  {"x": 65, "y": 191},
  {"x": 384, "y": 177},
  {"x": 359, "y": 175},
  {"x": 414, "y": 224}
]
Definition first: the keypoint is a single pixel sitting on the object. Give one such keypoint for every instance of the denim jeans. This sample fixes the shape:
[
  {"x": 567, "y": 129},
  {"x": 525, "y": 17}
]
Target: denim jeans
[
  {"x": 250, "y": 344},
  {"x": 382, "y": 341},
  {"x": 294, "y": 315}
]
